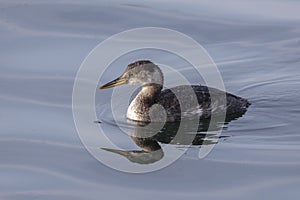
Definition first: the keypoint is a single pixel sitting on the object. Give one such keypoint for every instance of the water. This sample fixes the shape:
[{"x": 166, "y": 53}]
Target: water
[{"x": 255, "y": 46}]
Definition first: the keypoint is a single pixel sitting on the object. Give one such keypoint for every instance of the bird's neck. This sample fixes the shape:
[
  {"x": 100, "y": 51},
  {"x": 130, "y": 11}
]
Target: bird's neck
[{"x": 141, "y": 104}]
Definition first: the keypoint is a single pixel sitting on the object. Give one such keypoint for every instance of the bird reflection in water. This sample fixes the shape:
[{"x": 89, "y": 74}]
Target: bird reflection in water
[{"x": 150, "y": 139}]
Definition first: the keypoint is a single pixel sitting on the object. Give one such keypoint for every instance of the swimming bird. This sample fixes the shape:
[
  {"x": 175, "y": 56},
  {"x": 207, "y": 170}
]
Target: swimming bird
[{"x": 153, "y": 104}]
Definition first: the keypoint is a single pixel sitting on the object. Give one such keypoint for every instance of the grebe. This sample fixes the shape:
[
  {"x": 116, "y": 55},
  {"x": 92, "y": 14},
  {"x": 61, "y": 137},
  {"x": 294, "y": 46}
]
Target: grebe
[{"x": 154, "y": 104}]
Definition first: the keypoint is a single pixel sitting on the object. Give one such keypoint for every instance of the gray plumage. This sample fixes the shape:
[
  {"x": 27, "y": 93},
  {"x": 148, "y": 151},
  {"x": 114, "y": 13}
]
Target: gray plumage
[{"x": 185, "y": 101}]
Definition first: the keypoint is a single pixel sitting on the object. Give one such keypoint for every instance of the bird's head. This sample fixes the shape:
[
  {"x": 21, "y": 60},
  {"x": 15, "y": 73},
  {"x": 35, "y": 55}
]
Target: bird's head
[{"x": 140, "y": 73}]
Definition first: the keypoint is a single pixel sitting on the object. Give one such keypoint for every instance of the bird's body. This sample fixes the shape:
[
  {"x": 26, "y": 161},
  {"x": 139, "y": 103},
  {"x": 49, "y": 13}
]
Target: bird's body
[{"x": 185, "y": 101}]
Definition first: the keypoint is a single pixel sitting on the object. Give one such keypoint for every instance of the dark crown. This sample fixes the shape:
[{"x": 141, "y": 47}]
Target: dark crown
[{"x": 138, "y": 63}]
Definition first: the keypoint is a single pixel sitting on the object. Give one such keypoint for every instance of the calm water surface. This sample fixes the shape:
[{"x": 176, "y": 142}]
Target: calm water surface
[{"x": 256, "y": 46}]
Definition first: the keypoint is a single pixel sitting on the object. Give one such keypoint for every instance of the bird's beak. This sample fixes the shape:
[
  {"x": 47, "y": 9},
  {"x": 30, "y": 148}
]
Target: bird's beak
[{"x": 116, "y": 82}]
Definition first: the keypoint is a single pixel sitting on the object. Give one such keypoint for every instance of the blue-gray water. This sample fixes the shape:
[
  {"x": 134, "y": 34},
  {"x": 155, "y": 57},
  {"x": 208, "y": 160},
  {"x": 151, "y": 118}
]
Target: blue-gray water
[{"x": 256, "y": 46}]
